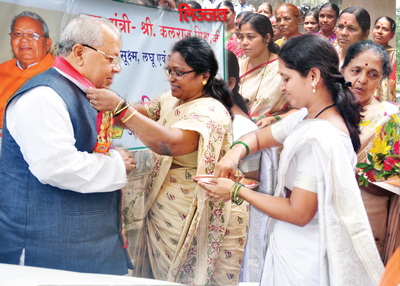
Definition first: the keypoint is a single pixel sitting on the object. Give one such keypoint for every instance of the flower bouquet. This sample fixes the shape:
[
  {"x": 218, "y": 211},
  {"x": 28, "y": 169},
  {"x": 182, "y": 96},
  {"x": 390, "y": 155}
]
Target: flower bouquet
[{"x": 383, "y": 158}]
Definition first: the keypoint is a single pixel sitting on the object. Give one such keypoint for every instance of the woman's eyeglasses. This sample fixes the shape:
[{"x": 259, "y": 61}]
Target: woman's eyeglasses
[{"x": 176, "y": 74}]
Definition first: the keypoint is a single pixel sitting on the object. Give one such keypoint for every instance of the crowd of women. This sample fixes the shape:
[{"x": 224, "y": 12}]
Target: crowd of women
[{"x": 311, "y": 101}]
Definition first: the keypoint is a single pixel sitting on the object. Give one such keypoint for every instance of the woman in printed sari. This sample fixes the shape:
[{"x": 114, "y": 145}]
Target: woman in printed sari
[
  {"x": 186, "y": 237},
  {"x": 259, "y": 80},
  {"x": 384, "y": 30},
  {"x": 352, "y": 26},
  {"x": 365, "y": 65},
  {"x": 231, "y": 42},
  {"x": 318, "y": 232},
  {"x": 310, "y": 22},
  {"x": 328, "y": 15},
  {"x": 288, "y": 19}
]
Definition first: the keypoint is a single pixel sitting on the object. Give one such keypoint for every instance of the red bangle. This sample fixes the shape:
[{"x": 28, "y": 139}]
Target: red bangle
[{"x": 122, "y": 113}]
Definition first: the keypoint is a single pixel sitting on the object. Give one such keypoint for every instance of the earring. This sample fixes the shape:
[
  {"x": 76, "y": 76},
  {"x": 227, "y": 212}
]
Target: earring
[
  {"x": 313, "y": 85},
  {"x": 204, "y": 82}
]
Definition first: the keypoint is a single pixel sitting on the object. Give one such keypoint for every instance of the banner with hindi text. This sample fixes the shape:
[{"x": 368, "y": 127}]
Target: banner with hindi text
[{"x": 147, "y": 35}]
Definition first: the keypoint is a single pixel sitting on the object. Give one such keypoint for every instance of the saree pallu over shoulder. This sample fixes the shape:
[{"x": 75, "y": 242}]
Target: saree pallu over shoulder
[
  {"x": 205, "y": 223},
  {"x": 348, "y": 254},
  {"x": 260, "y": 86}
]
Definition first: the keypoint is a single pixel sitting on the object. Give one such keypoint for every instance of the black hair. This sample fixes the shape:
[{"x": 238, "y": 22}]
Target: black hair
[
  {"x": 226, "y": 4},
  {"x": 200, "y": 57},
  {"x": 194, "y": 4},
  {"x": 359, "y": 47},
  {"x": 311, "y": 13},
  {"x": 303, "y": 8},
  {"x": 391, "y": 22},
  {"x": 263, "y": 26},
  {"x": 233, "y": 71},
  {"x": 309, "y": 51},
  {"x": 362, "y": 16},
  {"x": 331, "y": 5},
  {"x": 243, "y": 14}
]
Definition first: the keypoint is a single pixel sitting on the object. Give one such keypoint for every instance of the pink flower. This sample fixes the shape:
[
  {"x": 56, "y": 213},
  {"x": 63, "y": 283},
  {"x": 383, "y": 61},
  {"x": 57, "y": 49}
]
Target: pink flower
[
  {"x": 396, "y": 148},
  {"x": 389, "y": 163}
]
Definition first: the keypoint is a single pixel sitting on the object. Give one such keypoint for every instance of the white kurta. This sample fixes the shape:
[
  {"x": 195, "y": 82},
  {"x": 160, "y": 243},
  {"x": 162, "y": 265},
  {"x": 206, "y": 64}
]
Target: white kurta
[
  {"x": 40, "y": 124},
  {"x": 337, "y": 246}
]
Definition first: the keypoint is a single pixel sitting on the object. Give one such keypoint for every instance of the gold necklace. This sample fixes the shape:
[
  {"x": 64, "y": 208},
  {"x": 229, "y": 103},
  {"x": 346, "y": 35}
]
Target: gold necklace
[{"x": 369, "y": 101}]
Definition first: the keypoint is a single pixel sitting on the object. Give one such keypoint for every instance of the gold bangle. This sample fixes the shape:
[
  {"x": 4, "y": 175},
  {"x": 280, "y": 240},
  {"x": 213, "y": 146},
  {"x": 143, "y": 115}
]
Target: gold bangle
[
  {"x": 130, "y": 116},
  {"x": 122, "y": 109},
  {"x": 118, "y": 106}
]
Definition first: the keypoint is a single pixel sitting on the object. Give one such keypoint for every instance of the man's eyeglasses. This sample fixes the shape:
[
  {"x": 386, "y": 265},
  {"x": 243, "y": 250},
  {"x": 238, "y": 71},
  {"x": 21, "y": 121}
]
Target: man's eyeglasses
[
  {"x": 29, "y": 36},
  {"x": 176, "y": 74},
  {"x": 115, "y": 59}
]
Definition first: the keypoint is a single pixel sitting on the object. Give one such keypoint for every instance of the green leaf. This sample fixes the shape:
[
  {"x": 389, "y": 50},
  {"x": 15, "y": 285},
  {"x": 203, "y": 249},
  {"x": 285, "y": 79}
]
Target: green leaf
[
  {"x": 369, "y": 168},
  {"x": 211, "y": 205},
  {"x": 222, "y": 219},
  {"x": 211, "y": 217},
  {"x": 370, "y": 158},
  {"x": 362, "y": 165},
  {"x": 388, "y": 128},
  {"x": 222, "y": 206}
]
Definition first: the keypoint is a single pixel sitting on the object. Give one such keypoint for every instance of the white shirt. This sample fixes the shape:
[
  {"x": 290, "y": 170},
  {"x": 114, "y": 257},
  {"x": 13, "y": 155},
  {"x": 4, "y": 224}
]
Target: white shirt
[
  {"x": 208, "y": 4},
  {"x": 246, "y": 7},
  {"x": 240, "y": 127},
  {"x": 40, "y": 124}
]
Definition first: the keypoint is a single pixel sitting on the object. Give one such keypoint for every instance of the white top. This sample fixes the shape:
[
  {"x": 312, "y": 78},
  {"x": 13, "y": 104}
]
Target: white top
[
  {"x": 240, "y": 127},
  {"x": 29, "y": 275},
  {"x": 242, "y": 8},
  {"x": 208, "y": 4},
  {"x": 40, "y": 124},
  {"x": 337, "y": 246}
]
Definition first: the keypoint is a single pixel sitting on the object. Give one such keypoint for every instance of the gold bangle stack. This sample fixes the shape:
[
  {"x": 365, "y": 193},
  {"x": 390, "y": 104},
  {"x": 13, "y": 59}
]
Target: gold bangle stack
[{"x": 121, "y": 107}]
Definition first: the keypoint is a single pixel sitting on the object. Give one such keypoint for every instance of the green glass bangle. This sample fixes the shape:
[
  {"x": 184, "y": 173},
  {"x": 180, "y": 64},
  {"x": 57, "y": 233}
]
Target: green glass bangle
[
  {"x": 235, "y": 199},
  {"x": 244, "y": 144},
  {"x": 277, "y": 117}
]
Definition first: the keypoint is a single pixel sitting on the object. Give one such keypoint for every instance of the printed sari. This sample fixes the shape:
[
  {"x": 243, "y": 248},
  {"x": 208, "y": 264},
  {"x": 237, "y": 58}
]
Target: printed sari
[
  {"x": 260, "y": 86},
  {"x": 186, "y": 236},
  {"x": 233, "y": 45},
  {"x": 332, "y": 38},
  {"x": 383, "y": 211}
]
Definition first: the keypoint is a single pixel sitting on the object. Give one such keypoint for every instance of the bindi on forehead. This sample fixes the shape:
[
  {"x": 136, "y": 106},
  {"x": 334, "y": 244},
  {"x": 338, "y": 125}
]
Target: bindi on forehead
[{"x": 366, "y": 64}]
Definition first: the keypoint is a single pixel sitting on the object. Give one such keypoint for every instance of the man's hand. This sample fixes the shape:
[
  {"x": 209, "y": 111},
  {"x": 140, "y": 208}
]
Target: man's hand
[{"x": 128, "y": 159}]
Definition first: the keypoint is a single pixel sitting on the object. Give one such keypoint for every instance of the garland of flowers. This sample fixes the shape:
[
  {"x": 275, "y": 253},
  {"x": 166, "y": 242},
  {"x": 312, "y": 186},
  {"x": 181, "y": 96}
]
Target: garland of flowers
[{"x": 383, "y": 158}]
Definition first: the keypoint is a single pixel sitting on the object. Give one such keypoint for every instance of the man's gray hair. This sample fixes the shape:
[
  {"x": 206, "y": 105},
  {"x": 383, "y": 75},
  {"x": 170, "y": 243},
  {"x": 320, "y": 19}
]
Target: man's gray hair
[
  {"x": 85, "y": 30},
  {"x": 33, "y": 16}
]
